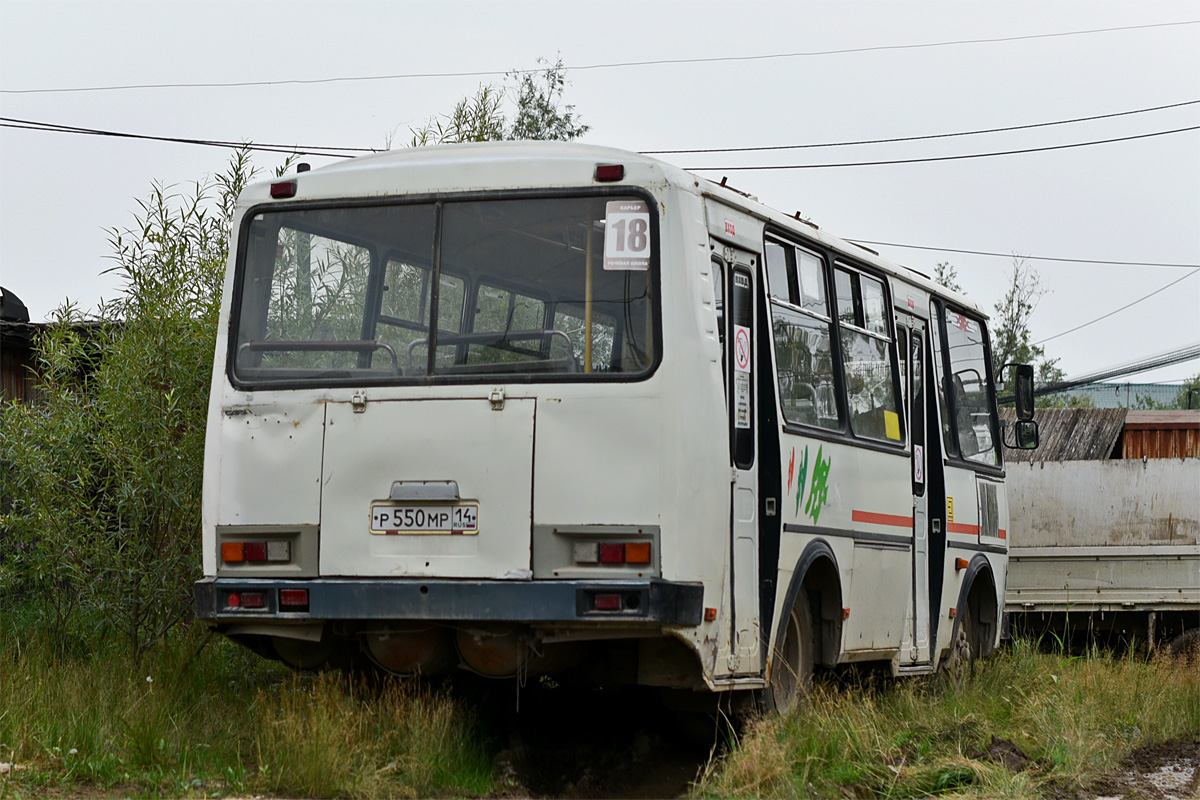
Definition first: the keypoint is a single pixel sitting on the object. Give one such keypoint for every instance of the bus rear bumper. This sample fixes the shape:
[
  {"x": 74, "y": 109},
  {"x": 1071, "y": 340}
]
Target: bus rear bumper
[{"x": 653, "y": 600}]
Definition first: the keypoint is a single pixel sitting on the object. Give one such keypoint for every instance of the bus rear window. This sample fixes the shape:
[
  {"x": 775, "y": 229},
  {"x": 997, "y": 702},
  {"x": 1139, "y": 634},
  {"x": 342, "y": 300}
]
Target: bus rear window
[{"x": 521, "y": 286}]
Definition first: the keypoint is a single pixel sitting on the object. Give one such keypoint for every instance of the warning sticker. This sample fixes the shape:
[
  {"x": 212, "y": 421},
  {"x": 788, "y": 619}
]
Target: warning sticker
[
  {"x": 741, "y": 400},
  {"x": 918, "y": 464},
  {"x": 741, "y": 348},
  {"x": 626, "y": 235}
]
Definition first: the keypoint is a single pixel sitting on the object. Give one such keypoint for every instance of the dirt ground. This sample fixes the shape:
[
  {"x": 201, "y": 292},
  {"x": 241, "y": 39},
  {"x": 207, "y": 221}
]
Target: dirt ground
[
  {"x": 649, "y": 765},
  {"x": 1164, "y": 772}
]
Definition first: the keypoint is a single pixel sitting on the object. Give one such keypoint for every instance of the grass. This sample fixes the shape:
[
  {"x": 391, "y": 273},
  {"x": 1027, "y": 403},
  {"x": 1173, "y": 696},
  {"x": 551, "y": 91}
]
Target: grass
[
  {"x": 1073, "y": 717},
  {"x": 223, "y": 721},
  {"x": 216, "y": 720}
]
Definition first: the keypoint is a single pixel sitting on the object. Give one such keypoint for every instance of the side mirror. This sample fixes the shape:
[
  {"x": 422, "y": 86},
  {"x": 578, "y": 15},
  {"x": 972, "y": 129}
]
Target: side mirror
[
  {"x": 1023, "y": 374},
  {"x": 1025, "y": 434}
]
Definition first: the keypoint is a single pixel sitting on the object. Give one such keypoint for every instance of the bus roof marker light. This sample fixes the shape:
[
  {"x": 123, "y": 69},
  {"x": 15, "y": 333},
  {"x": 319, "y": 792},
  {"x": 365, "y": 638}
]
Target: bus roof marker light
[
  {"x": 607, "y": 173},
  {"x": 283, "y": 190}
]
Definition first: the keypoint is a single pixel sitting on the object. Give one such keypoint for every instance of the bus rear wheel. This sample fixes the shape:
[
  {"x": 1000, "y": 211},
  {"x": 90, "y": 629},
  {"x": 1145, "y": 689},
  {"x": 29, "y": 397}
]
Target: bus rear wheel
[{"x": 792, "y": 664}]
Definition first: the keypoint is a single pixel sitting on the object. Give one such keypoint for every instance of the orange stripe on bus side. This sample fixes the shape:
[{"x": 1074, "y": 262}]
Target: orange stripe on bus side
[
  {"x": 871, "y": 518},
  {"x": 894, "y": 520}
]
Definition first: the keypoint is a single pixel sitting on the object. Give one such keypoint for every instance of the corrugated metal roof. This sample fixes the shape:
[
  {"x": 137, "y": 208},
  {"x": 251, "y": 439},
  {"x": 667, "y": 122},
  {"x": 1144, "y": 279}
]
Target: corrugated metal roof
[{"x": 1071, "y": 434}]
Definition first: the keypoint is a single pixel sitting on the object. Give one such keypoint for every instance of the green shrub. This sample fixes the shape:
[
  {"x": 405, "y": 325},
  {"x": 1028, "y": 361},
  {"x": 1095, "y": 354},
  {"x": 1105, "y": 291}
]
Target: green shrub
[{"x": 100, "y": 514}]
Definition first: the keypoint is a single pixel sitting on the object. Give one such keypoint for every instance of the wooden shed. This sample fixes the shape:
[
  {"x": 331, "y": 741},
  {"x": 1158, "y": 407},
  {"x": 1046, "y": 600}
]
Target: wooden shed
[{"x": 1161, "y": 434}]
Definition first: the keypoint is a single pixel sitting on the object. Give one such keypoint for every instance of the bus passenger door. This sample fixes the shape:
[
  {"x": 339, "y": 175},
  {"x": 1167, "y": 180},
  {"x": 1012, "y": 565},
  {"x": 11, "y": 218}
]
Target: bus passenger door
[
  {"x": 745, "y": 650},
  {"x": 919, "y": 649}
]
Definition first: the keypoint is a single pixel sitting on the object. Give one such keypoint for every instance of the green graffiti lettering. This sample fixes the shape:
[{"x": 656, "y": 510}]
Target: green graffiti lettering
[
  {"x": 820, "y": 487},
  {"x": 801, "y": 479}
]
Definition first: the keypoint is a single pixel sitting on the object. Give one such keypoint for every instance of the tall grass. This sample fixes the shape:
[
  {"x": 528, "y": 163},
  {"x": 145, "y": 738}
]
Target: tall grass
[
  {"x": 340, "y": 738},
  {"x": 1072, "y": 717},
  {"x": 218, "y": 720}
]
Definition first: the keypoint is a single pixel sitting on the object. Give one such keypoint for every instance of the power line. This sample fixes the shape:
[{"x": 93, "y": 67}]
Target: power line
[
  {"x": 916, "y": 138},
  {"x": 1122, "y": 308},
  {"x": 33, "y": 125},
  {"x": 586, "y": 67},
  {"x": 1028, "y": 258},
  {"x": 20, "y": 124},
  {"x": 1166, "y": 359},
  {"x": 944, "y": 158}
]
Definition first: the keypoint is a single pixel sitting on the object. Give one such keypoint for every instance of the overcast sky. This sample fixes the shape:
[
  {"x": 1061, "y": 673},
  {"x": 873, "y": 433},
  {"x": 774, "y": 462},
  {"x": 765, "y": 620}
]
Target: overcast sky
[{"x": 1134, "y": 200}]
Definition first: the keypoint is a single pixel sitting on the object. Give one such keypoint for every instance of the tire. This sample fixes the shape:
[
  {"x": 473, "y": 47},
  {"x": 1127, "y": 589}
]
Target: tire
[
  {"x": 792, "y": 664},
  {"x": 1186, "y": 645},
  {"x": 962, "y": 654}
]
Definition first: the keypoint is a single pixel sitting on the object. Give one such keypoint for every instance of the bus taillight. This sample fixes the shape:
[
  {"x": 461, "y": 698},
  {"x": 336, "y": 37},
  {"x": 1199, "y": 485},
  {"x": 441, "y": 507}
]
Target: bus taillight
[
  {"x": 613, "y": 553},
  {"x": 293, "y": 599}
]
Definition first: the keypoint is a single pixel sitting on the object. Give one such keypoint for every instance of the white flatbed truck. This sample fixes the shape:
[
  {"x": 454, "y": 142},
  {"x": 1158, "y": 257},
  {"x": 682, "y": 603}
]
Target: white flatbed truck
[{"x": 1106, "y": 551}]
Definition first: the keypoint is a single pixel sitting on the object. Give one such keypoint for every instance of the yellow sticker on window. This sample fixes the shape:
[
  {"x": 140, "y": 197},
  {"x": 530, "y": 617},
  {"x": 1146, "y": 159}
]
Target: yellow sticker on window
[{"x": 891, "y": 424}]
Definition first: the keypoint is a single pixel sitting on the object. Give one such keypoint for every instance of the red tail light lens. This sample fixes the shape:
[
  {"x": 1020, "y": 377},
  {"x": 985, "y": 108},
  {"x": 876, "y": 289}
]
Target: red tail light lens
[
  {"x": 612, "y": 553},
  {"x": 283, "y": 190},
  {"x": 608, "y": 602},
  {"x": 253, "y": 600},
  {"x": 606, "y": 173},
  {"x": 293, "y": 598},
  {"x": 256, "y": 551}
]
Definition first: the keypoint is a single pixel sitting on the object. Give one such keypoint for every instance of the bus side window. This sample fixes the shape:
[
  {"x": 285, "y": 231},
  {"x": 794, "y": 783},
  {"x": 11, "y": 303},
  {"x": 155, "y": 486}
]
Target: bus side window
[
  {"x": 867, "y": 356},
  {"x": 741, "y": 311},
  {"x": 971, "y": 406},
  {"x": 718, "y": 278},
  {"x": 939, "y": 379},
  {"x": 801, "y": 328},
  {"x": 571, "y": 320}
]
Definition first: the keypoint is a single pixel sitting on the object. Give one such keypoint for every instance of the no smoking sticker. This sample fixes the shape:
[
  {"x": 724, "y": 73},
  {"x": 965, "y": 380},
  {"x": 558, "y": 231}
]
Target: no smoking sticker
[{"x": 741, "y": 348}]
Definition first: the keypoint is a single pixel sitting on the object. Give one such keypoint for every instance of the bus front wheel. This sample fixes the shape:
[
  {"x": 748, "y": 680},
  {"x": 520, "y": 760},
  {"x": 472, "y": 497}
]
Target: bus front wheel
[{"x": 792, "y": 665}]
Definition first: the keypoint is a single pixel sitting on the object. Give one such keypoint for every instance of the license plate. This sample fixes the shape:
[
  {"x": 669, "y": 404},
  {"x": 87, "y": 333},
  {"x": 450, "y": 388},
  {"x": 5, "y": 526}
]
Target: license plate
[{"x": 460, "y": 518}]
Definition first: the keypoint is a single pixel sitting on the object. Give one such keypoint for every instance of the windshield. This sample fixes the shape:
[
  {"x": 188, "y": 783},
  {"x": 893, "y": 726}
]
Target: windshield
[
  {"x": 523, "y": 287},
  {"x": 969, "y": 393}
]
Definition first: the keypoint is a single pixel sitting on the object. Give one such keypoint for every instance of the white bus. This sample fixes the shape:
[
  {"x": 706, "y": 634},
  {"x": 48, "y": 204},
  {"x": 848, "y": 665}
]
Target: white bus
[{"x": 660, "y": 434}]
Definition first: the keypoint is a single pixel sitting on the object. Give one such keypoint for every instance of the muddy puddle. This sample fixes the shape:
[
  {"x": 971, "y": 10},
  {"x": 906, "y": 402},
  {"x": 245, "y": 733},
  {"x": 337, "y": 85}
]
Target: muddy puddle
[{"x": 1164, "y": 772}]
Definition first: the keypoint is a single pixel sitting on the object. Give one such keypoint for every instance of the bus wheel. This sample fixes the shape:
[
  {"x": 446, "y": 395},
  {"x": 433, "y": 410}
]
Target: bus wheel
[
  {"x": 959, "y": 659},
  {"x": 792, "y": 665}
]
